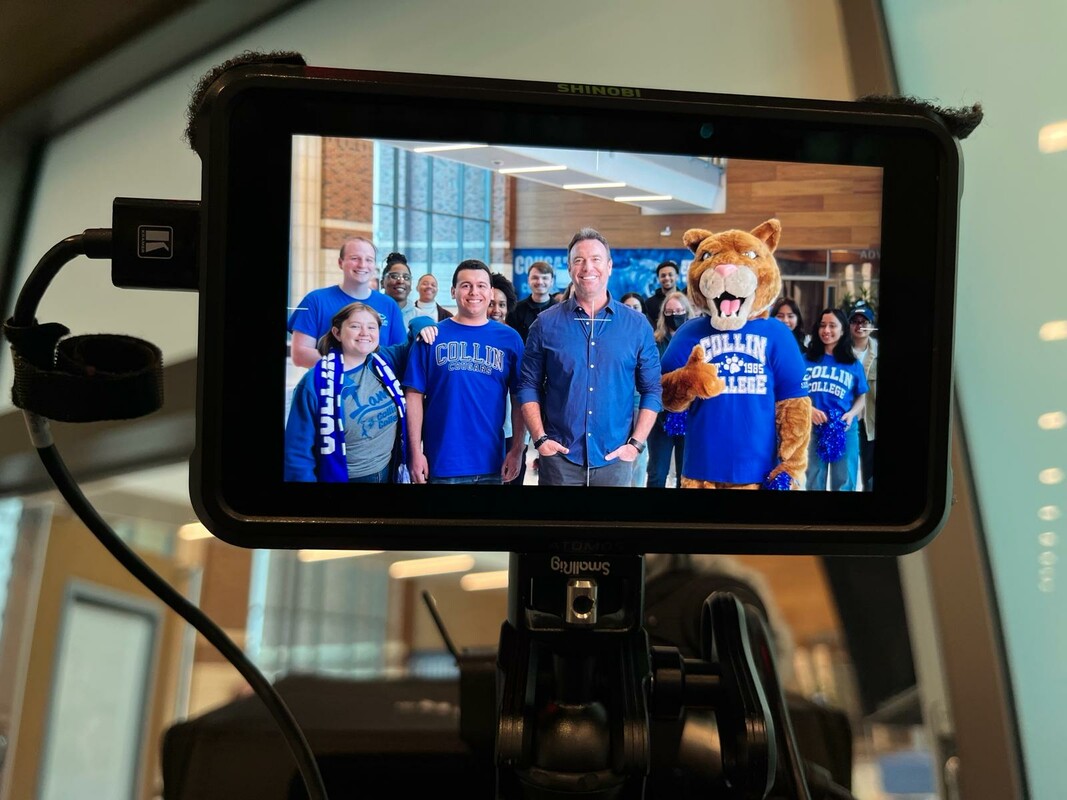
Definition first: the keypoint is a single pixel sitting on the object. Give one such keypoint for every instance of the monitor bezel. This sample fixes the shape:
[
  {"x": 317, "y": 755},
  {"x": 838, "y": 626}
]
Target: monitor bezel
[{"x": 244, "y": 132}]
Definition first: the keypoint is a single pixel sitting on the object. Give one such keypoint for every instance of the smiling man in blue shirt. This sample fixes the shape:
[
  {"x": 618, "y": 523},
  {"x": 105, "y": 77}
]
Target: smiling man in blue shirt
[{"x": 585, "y": 359}]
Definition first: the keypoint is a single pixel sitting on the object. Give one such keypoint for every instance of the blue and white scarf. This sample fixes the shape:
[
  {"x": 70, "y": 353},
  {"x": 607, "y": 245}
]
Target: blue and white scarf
[
  {"x": 388, "y": 379},
  {"x": 331, "y": 464}
]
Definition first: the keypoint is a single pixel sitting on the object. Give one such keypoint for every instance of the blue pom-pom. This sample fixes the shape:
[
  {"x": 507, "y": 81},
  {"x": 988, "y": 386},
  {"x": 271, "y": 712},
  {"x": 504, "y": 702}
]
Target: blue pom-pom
[
  {"x": 831, "y": 438},
  {"x": 781, "y": 482},
  {"x": 674, "y": 424}
]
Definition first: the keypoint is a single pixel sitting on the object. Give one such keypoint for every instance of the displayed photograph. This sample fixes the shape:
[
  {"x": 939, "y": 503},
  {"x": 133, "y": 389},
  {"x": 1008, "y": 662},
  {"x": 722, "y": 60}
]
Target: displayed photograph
[{"x": 467, "y": 313}]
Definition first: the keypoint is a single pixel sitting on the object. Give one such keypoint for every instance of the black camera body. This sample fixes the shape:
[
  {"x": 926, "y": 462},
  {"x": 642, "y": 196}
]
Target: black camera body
[{"x": 244, "y": 132}]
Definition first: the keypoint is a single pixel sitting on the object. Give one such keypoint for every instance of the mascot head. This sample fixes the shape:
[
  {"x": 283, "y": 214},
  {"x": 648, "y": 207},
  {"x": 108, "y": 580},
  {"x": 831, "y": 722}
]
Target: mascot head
[{"x": 734, "y": 277}]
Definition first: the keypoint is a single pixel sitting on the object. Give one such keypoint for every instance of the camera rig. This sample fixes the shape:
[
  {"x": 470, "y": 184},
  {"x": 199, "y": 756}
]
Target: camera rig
[{"x": 582, "y": 706}]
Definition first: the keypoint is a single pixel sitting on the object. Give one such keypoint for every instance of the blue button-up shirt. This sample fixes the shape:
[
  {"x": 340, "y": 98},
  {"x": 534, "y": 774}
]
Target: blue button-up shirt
[{"x": 584, "y": 373}]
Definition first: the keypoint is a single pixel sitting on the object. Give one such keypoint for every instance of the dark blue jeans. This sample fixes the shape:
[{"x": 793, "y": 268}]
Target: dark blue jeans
[
  {"x": 660, "y": 447},
  {"x": 493, "y": 478},
  {"x": 382, "y": 476}
]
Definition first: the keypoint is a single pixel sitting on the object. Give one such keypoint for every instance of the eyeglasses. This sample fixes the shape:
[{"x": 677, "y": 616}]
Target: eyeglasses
[
  {"x": 399, "y": 276},
  {"x": 679, "y": 314},
  {"x": 859, "y": 321}
]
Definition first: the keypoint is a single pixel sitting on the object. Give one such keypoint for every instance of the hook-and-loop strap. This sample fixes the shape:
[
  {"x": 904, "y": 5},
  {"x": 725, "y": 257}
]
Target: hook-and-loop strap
[{"x": 84, "y": 378}]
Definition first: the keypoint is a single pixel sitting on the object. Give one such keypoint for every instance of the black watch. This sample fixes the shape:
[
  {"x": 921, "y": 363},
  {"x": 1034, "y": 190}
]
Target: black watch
[
  {"x": 537, "y": 444},
  {"x": 634, "y": 443}
]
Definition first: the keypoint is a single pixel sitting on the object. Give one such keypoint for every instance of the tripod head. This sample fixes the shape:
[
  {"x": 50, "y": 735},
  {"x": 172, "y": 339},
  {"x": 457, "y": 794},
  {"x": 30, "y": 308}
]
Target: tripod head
[{"x": 587, "y": 708}]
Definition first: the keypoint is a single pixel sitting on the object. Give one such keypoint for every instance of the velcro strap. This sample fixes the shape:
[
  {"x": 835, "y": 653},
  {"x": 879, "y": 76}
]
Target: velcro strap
[{"x": 84, "y": 378}]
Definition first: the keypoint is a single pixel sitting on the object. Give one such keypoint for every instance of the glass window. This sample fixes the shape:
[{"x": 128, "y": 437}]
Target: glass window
[
  {"x": 446, "y": 187},
  {"x": 435, "y": 211},
  {"x": 385, "y": 176},
  {"x": 445, "y": 247},
  {"x": 476, "y": 193},
  {"x": 327, "y": 617},
  {"x": 475, "y": 239}
]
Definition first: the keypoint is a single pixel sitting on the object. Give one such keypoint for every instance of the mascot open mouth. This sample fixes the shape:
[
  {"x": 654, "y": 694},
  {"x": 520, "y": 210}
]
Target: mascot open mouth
[{"x": 729, "y": 304}]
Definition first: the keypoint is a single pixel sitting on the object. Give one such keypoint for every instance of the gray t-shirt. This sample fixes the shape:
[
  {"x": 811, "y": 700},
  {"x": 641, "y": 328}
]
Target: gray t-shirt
[{"x": 370, "y": 421}]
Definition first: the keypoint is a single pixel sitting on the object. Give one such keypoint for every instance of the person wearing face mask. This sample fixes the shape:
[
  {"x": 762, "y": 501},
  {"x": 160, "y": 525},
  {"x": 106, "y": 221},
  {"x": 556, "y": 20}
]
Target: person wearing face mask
[
  {"x": 427, "y": 305},
  {"x": 668, "y": 434}
]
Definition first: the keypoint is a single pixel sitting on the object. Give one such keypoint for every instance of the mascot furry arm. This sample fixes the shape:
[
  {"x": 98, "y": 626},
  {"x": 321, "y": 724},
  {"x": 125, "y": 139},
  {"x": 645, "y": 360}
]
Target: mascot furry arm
[{"x": 734, "y": 278}]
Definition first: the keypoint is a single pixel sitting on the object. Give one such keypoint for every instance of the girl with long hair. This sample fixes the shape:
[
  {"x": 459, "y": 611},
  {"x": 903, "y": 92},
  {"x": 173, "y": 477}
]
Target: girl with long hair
[
  {"x": 838, "y": 389},
  {"x": 787, "y": 312}
]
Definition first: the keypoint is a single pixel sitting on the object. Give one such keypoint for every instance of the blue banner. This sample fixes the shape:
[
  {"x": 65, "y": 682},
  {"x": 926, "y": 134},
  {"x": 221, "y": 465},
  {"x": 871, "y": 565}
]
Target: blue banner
[{"x": 633, "y": 270}]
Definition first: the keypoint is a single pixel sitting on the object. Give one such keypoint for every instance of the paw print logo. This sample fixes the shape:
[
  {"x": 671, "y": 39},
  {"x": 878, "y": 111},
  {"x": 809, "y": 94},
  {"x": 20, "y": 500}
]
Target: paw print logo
[{"x": 732, "y": 365}]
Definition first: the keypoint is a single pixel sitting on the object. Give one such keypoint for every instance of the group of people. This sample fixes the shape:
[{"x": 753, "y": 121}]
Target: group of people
[{"x": 402, "y": 390}]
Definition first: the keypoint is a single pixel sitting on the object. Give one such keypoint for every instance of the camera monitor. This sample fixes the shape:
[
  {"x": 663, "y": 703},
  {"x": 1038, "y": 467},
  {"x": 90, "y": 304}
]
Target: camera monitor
[{"x": 365, "y": 372}]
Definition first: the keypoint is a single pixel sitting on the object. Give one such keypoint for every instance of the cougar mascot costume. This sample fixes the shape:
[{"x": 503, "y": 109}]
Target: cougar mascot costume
[{"x": 738, "y": 374}]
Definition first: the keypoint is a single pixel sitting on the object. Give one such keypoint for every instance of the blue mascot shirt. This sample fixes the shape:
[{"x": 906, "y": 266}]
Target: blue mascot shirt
[
  {"x": 732, "y": 438},
  {"x": 466, "y": 375},
  {"x": 834, "y": 386}
]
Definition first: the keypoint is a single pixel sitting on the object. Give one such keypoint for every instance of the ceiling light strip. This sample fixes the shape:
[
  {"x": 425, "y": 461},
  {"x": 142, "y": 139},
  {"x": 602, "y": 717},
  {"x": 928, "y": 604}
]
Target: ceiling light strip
[
  {"x": 606, "y": 185},
  {"x": 523, "y": 170},
  {"x": 328, "y": 555},
  {"x": 480, "y": 581},
  {"x": 444, "y": 148},
  {"x": 643, "y": 198},
  {"x": 437, "y": 565}
]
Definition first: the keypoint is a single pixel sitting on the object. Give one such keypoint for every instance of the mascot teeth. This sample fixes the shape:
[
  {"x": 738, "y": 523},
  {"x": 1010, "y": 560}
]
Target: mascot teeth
[{"x": 728, "y": 304}]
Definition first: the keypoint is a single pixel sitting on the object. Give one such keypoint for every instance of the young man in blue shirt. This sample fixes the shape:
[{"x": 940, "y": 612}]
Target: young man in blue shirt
[
  {"x": 457, "y": 389},
  {"x": 585, "y": 359},
  {"x": 311, "y": 319}
]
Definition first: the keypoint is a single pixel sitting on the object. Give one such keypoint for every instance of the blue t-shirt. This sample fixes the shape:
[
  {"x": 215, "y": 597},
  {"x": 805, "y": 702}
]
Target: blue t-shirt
[
  {"x": 466, "y": 374},
  {"x": 833, "y": 385},
  {"x": 315, "y": 312},
  {"x": 732, "y": 438}
]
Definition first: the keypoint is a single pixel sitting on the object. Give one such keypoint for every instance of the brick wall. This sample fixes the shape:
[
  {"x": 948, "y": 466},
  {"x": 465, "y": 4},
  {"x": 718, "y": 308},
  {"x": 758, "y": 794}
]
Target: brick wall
[{"x": 347, "y": 190}]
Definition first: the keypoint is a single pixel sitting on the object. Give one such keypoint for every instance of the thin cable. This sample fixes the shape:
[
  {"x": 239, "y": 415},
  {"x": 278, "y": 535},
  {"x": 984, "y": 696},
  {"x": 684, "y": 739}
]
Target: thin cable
[
  {"x": 81, "y": 506},
  {"x": 96, "y": 243},
  {"x": 431, "y": 605}
]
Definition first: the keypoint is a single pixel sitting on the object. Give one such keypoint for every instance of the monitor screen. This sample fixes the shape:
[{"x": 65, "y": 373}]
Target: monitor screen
[{"x": 379, "y": 227}]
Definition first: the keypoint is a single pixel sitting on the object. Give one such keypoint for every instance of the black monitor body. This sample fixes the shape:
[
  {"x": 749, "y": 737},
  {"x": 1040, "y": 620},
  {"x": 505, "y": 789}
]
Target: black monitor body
[{"x": 244, "y": 131}]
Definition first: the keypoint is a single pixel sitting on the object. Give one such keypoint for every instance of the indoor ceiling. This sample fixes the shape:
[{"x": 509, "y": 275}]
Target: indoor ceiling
[{"x": 657, "y": 184}]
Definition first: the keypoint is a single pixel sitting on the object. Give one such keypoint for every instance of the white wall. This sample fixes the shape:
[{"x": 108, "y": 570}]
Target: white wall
[
  {"x": 135, "y": 148},
  {"x": 1012, "y": 280}
]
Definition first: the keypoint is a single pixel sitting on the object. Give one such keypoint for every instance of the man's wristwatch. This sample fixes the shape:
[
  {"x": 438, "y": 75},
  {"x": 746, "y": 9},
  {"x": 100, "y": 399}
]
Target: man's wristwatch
[
  {"x": 540, "y": 441},
  {"x": 636, "y": 445}
]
